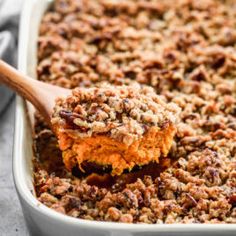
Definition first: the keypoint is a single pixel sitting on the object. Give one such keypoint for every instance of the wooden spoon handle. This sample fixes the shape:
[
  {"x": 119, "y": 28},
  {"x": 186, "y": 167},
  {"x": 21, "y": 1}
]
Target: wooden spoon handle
[
  {"x": 40, "y": 94},
  {"x": 17, "y": 81},
  {"x": 32, "y": 90}
]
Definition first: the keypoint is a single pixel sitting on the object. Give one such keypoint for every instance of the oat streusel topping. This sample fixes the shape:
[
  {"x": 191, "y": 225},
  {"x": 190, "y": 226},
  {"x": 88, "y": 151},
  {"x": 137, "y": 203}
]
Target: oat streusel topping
[
  {"x": 185, "y": 50},
  {"x": 124, "y": 113}
]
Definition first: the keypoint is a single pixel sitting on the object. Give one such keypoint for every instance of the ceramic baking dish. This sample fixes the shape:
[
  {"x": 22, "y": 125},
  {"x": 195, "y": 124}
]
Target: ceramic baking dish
[{"x": 40, "y": 219}]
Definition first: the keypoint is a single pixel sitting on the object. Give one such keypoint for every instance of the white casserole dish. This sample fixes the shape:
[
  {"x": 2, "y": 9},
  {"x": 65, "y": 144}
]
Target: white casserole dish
[{"x": 40, "y": 219}]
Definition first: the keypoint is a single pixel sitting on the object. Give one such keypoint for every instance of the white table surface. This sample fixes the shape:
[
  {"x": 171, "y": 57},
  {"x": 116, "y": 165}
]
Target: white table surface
[{"x": 11, "y": 217}]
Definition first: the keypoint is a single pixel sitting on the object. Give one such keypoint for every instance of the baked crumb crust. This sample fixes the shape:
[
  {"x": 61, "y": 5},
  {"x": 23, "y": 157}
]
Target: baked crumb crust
[{"x": 123, "y": 113}]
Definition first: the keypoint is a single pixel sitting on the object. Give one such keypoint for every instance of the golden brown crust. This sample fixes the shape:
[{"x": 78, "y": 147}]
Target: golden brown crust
[{"x": 123, "y": 113}]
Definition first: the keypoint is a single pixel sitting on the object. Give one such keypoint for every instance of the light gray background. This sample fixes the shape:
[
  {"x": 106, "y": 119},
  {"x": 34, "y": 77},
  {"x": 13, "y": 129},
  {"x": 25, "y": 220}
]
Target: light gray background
[{"x": 11, "y": 218}]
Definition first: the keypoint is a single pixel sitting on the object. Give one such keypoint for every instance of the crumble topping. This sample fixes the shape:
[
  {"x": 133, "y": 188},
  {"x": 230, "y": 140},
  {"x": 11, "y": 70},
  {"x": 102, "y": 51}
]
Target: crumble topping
[{"x": 123, "y": 113}]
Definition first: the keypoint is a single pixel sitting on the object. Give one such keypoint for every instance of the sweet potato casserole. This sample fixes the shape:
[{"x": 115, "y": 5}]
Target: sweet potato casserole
[
  {"x": 126, "y": 60},
  {"x": 117, "y": 126}
]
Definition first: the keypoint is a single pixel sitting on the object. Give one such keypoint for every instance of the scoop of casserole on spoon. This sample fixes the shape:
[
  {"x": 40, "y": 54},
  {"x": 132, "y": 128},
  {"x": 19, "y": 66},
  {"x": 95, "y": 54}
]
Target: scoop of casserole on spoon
[{"x": 116, "y": 127}]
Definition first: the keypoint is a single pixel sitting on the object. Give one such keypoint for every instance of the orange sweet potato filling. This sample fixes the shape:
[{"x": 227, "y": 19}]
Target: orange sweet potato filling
[{"x": 106, "y": 151}]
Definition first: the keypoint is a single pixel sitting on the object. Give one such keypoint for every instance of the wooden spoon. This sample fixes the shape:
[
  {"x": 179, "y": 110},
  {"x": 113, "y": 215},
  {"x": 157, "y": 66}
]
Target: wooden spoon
[{"x": 40, "y": 94}]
